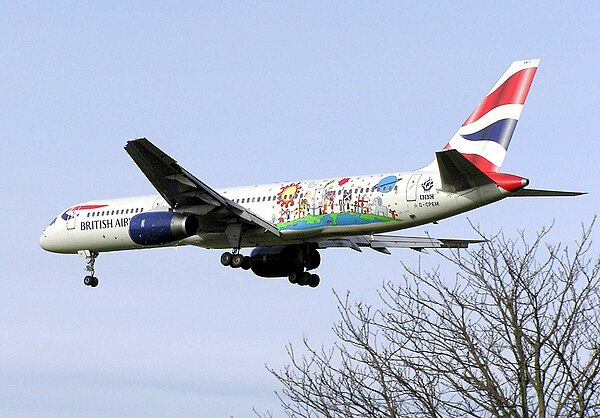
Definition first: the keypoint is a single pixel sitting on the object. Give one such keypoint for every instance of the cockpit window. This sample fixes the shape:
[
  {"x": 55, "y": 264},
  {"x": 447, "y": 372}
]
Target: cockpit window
[
  {"x": 53, "y": 220},
  {"x": 66, "y": 215}
]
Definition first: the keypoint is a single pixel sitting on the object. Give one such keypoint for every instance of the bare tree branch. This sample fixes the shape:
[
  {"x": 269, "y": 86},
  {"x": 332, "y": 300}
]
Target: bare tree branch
[{"x": 513, "y": 332}]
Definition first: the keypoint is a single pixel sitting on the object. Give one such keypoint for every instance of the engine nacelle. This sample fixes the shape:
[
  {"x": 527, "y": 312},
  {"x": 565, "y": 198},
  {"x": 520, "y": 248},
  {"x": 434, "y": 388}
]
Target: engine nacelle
[
  {"x": 283, "y": 260},
  {"x": 158, "y": 228}
]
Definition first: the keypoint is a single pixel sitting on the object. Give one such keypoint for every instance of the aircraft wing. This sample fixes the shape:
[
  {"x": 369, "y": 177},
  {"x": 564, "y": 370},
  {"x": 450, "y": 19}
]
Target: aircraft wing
[
  {"x": 381, "y": 243},
  {"x": 184, "y": 192}
]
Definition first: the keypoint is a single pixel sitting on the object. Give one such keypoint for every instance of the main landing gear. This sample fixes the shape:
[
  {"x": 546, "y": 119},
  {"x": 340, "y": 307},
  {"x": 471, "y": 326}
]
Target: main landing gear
[
  {"x": 90, "y": 280},
  {"x": 304, "y": 279},
  {"x": 297, "y": 276},
  {"x": 235, "y": 260}
]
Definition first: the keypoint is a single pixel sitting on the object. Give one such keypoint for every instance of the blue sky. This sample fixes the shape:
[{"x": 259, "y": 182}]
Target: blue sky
[{"x": 246, "y": 93}]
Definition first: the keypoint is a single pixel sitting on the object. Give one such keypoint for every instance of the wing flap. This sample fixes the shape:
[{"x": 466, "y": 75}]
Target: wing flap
[{"x": 381, "y": 243}]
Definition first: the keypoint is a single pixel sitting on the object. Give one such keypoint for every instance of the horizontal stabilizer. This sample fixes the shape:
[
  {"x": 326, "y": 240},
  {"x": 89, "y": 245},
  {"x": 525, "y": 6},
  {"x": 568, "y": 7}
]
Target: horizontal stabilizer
[
  {"x": 545, "y": 193},
  {"x": 458, "y": 173}
]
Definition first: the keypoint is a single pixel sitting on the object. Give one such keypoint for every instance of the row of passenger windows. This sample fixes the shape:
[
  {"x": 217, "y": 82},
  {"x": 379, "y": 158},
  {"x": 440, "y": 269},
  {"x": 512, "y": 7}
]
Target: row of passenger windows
[
  {"x": 284, "y": 197},
  {"x": 115, "y": 212}
]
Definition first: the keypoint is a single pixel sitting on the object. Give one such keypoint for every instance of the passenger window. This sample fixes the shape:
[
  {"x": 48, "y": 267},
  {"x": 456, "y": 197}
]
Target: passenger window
[
  {"x": 141, "y": 210},
  {"x": 88, "y": 215},
  {"x": 253, "y": 199},
  {"x": 269, "y": 198},
  {"x": 339, "y": 192}
]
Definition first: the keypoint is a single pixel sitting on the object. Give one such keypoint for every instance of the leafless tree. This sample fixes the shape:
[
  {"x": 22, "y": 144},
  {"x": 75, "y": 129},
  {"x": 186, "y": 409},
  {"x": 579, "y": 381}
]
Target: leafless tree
[{"x": 514, "y": 332}]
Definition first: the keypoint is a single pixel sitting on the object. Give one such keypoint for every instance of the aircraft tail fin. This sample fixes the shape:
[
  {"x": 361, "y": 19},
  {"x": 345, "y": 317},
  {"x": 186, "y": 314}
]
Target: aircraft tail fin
[{"x": 484, "y": 137}]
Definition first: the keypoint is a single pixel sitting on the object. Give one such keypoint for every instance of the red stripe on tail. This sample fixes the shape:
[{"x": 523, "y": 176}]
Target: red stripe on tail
[
  {"x": 482, "y": 163},
  {"x": 513, "y": 91}
]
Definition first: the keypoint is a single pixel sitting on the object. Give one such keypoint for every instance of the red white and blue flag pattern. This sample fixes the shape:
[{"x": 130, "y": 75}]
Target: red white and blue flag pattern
[{"x": 486, "y": 134}]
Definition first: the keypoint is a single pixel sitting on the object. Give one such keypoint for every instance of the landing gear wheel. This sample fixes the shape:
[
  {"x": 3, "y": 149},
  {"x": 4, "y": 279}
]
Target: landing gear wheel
[
  {"x": 237, "y": 260},
  {"x": 304, "y": 279},
  {"x": 294, "y": 277},
  {"x": 226, "y": 258},
  {"x": 246, "y": 263},
  {"x": 314, "y": 280},
  {"x": 90, "y": 281}
]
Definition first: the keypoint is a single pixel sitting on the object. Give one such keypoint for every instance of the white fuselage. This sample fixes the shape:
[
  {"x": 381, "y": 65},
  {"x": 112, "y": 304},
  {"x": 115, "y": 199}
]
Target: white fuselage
[{"x": 304, "y": 211}]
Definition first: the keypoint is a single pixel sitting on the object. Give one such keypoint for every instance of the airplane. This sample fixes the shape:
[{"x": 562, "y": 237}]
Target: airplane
[{"x": 287, "y": 223}]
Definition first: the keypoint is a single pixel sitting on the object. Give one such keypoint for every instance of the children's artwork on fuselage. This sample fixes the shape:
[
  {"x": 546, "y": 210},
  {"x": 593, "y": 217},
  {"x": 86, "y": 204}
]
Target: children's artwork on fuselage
[{"x": 337, "y": 202}]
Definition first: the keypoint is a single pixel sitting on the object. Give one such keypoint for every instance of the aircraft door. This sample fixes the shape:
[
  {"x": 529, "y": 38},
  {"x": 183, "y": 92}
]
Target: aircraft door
[
  {"x": 158, "y": 202},
  {"x": 411, "y": 187},
  {"x": 71, "y": 218}
]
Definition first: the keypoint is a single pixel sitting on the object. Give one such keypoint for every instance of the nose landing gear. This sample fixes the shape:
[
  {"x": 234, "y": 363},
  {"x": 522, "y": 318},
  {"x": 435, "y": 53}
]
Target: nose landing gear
[{"x": 90, "y": 280}]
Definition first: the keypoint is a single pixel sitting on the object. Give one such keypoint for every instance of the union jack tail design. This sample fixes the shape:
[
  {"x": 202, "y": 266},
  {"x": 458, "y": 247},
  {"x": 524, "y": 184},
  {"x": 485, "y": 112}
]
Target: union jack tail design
[{"x": 484, "y": 137}]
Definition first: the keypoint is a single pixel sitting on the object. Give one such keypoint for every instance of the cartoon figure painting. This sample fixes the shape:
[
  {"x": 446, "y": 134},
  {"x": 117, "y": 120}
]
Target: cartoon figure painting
[
  {"x": 334, "y": 202},
  {"x": 378, "y": 208},
  {"x": 288, "y": 194}
]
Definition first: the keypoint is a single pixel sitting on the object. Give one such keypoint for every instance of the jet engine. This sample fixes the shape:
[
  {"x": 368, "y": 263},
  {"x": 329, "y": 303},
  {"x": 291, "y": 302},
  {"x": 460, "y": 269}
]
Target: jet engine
[
  {"x": 158, "y": 228},
  {"x": 283, "y": 261}
]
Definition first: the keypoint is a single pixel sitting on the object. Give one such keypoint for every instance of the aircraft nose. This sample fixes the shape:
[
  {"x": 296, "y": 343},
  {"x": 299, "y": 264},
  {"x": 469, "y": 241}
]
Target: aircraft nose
[
  {"x": 44, "y": 241},
  {"x": 49, "y": 243}
]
